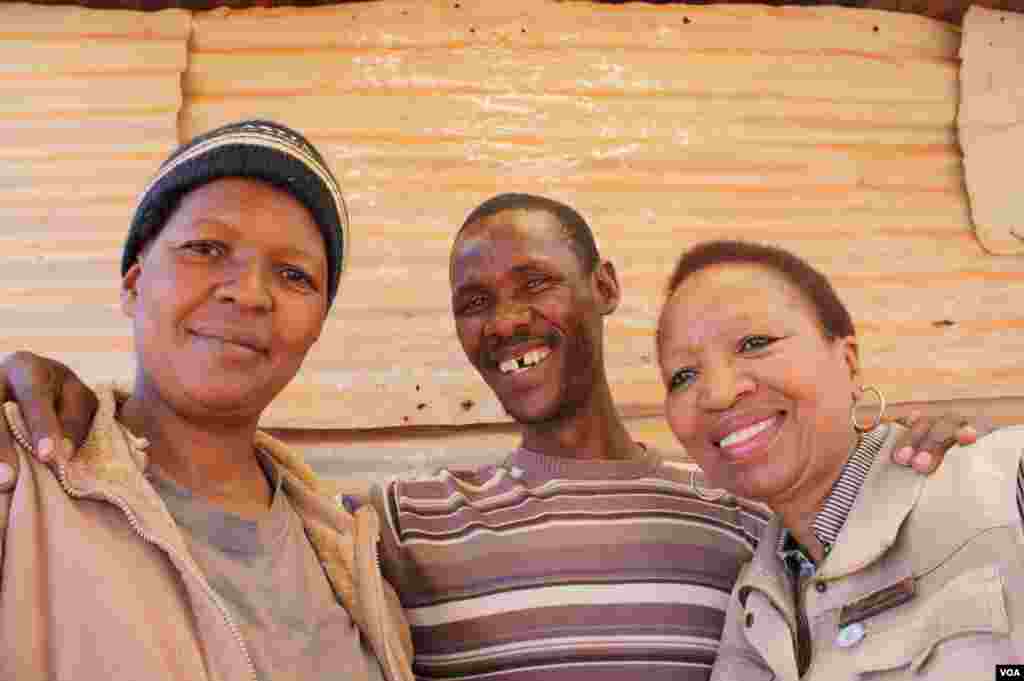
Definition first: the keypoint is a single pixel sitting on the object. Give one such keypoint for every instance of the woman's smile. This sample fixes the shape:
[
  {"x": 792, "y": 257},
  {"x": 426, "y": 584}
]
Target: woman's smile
[
  {"x": 242, "y": 345},
  {"x": 743, "y": 442}
]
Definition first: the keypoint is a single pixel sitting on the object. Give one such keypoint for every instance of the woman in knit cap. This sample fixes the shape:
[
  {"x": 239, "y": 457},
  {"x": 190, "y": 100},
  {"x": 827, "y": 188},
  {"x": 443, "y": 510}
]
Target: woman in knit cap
[{"x": 180, "y": 542}]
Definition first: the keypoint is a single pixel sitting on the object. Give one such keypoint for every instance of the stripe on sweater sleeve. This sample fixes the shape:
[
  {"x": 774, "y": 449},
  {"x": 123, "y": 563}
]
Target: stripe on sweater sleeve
[{"x": 1020, "y": 498}]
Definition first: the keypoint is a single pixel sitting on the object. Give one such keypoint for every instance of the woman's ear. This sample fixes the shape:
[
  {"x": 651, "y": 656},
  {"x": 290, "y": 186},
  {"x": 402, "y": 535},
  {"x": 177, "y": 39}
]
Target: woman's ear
[
  {"x": 607, "y": 289},
  {"x": 851, "y": 354},
  {"x": 129, "y": 289}
]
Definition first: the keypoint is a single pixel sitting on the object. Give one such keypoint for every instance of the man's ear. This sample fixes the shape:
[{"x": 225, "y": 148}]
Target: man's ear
[
  {"x": 606, "y": 287},
  {"x": 129, "y": 289}
]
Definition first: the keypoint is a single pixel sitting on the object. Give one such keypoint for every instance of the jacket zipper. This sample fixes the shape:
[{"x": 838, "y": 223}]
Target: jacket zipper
[
  {"x": 804, "y": 642},
  {"x": 382, "y": 606},
  {"x": 133, "y": 521}
]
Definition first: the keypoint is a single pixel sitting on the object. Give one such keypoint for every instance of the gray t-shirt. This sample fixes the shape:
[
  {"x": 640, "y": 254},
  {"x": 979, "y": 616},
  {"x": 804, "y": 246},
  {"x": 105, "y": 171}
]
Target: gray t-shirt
[{"x": 269, "y": 576}]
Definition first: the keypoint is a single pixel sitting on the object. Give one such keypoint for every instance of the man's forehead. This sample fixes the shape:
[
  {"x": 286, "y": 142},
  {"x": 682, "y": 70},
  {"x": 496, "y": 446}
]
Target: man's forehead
[
  {"x": 516, "y": 223},
  {"x": 508, "y": 241},
  {"x": 535, "y": 232}
]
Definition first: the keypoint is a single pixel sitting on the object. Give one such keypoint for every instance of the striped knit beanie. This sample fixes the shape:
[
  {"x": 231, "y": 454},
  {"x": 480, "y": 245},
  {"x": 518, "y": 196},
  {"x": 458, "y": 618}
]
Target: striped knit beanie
[{"x": 256, "y": 149}]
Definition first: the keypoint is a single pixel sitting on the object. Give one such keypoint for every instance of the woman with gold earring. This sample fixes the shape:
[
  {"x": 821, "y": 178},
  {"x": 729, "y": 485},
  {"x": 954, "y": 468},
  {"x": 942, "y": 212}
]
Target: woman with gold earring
[{"x": 868, "y": 570}]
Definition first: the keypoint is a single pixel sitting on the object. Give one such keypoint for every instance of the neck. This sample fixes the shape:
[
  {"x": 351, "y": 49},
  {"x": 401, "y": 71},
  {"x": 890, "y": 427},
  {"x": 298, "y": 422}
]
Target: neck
[
  {"x": 594, "y": 431},
  {"x": 213, "y": 460},
  {"x": 799, "y": 506}
]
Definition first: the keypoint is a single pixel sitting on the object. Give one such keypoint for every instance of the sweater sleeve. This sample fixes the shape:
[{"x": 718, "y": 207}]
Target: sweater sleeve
[{"x": 1020, "y": 499}]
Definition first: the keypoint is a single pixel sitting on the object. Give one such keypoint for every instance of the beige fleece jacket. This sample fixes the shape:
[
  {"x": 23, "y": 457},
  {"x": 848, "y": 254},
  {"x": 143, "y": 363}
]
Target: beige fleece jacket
[{"x": 96, "y": 580}]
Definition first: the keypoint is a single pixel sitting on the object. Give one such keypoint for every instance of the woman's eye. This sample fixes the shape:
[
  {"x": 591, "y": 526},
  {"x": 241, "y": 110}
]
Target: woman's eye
[
  {"x": 681, "y": 378},
  {"x": 751, "y": 343},
  {"x": 536, "y": 283},
  {"x": 204, "y": 248}
]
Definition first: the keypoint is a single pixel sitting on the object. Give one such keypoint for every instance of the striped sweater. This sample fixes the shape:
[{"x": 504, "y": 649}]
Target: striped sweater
[{"x": 553, "y": 569}]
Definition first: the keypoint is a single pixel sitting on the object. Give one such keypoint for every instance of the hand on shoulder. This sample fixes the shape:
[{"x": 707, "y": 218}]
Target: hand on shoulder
[
  {"x": 57, "y": 407},
  {"x": 930, "y": 436},
  {"x": 8, "y": 456}
]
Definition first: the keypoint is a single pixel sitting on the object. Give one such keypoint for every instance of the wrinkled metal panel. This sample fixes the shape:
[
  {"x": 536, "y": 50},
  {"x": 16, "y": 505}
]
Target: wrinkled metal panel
[{"x": 991, "y": 126}]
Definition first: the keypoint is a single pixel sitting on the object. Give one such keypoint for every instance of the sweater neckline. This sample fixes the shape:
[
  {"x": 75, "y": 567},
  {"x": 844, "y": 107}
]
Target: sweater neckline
[{"x": 546, "y": 467}]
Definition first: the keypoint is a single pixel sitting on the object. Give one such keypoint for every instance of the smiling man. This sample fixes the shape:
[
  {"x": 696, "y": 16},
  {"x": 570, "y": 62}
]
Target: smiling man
[
  {"x": 583, "y": 554},
  {"x": 528, "y": 296}
]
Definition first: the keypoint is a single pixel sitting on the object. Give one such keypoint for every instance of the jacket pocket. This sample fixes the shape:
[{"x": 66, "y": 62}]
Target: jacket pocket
[{"x": 970, "y": 604}]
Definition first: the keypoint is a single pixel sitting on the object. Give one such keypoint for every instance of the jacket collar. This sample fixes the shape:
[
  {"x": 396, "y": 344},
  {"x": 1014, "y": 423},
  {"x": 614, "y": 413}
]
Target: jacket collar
[
  {"x": 111, "y": 465},
  {"x": 112, "y": 454},
  {"x": 887, "y": 497}
]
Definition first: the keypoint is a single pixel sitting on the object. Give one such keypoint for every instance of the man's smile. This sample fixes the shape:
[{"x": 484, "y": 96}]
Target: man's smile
[{"x": 525, "y": 361}]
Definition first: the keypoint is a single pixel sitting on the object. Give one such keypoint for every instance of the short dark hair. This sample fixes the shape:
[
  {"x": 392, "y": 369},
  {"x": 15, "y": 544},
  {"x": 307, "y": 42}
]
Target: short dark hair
[
  {"x": 574, "y": 227},
  {"x": 813, "y": 285}
]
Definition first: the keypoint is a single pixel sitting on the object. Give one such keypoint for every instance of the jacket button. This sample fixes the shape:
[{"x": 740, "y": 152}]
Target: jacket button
[
  {"x": 820, "y": 587},
  {"x": 750, "y": 619}
]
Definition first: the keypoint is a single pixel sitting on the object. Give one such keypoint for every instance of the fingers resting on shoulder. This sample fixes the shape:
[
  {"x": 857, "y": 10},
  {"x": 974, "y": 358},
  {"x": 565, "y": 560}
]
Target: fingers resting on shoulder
[
  {"x": 929, "y": 437},
  {"x": 56, "y": 405}
]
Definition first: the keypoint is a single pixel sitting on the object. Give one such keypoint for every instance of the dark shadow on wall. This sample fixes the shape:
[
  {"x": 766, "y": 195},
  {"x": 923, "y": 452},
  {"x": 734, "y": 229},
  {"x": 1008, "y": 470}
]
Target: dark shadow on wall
[{"x": 945, "y": 10}]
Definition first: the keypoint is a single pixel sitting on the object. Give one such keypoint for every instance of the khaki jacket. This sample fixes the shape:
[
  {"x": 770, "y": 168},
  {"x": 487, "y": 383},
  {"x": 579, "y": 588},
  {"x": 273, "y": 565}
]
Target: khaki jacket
[
  {"x": 954, "y": 536},
  {"x": 97, "y": 582}
]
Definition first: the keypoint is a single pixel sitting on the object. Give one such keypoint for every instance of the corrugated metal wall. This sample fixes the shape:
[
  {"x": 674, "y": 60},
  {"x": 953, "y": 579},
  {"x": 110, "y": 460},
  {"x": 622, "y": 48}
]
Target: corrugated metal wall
[
  {"x": 825, "y": 130},
  {"x": 88, "y": 107}
]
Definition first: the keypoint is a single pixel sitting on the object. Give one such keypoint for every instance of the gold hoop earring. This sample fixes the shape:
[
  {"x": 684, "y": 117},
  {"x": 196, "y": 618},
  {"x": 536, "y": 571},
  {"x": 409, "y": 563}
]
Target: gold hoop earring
[
  {"x": 878, "y": 417},
  {"x": 700, "y": 490}
]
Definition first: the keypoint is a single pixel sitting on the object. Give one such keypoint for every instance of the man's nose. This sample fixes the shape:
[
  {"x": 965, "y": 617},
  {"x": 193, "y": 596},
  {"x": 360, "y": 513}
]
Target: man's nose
[{"x": 509, "y": 318}]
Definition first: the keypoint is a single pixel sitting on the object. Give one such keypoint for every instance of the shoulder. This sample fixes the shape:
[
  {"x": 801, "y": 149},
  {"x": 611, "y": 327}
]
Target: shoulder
[
  {"x": 444, "y": 491},
  {"x": 688, "y": 479},
  {"x": 970, "y": 500},
  {"x": 285, "y": 458},
  {"x": 1008, "y": 441},
  {"x": 711, "y": 516},
  {"x": 17, "y": 455},
  {"x": 19, "y": 466},
  {"x": 445, "y": 482},
  {"x": 984, "y": 472}
]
